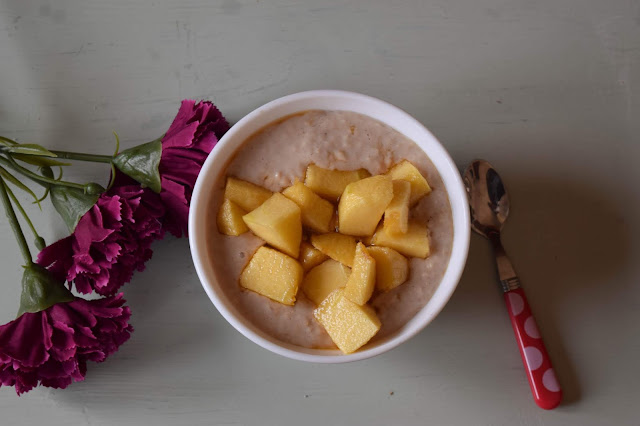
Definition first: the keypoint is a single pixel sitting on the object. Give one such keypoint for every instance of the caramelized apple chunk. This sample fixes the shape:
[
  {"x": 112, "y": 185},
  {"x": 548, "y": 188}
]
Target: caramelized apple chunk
[
  {"x": 229, "y": 219},
  {"x": 349, "y": 325},
  {"x": 272, "y": 274},
  {"x": 362, "y": 205},
  {"x": 245, "y": 194},
  {"x": 277, "y": 221},
  {"x": 362, "y": 280},
  {"x": 323, "y": 279}
]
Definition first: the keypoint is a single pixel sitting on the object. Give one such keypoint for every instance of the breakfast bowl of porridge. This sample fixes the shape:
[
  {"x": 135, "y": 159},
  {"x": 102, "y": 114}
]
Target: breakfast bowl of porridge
[{"x": 329, "y": 226}]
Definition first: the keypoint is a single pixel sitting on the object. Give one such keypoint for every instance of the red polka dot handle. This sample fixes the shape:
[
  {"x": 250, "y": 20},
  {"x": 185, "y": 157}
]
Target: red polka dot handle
[{"x": 542, "y": 379}]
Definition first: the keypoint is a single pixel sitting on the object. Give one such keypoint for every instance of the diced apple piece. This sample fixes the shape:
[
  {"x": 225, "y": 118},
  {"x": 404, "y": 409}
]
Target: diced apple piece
[
  {"x": 277, "y": 221},
  {"x": 366, "y": 240},
  {"x": 407, "y": 171},
  {"x": 230, "y": 219},
  {"x": 323, "y": 279},
  {"x": 415, "y": 243},
  {"x": 363, "y": 203},
  {"x": 337, "y": 246},
  {"x": 396, "y": 216},
  {"x": 349, "y": 325},
  {"x": 310, "y": 256},
  {"x": 272, "y": 274},
  {"x": 316, "y": 211},
  {"x": 392, "y": 268},
  {"x": 362, "y": 280},
  {"x": 245, "y": 194},
  {"x": 330, "y": 184}
]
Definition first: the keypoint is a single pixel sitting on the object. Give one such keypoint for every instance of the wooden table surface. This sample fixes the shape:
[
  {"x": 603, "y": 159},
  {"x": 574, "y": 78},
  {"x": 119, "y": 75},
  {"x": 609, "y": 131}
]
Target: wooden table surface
[{"x": 548, "y": 91}]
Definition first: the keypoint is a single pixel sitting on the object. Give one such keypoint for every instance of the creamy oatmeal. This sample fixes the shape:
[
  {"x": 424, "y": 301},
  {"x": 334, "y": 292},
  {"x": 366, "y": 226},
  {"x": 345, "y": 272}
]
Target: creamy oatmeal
[{"x": 278, "y": 155}]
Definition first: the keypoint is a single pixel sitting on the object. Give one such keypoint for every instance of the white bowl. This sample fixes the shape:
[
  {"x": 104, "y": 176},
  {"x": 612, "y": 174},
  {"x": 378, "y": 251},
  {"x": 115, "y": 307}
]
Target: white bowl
[{"x": 199, "y": 216}]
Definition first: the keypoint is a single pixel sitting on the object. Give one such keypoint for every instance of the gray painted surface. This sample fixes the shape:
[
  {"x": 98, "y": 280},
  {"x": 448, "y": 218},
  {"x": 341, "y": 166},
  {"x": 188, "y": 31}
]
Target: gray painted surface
[{"x": 549, "y": 91}]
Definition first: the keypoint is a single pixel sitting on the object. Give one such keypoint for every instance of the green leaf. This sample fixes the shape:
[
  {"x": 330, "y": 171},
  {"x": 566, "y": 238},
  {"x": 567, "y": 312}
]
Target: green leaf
[
  {"x": 71, "y": 204},
  {"x": 38, "y": 161},
  {"x": 7, "y": 142},
  {"x": 30, "y": 149},
  {"x": 40, "y": 290},
  {"x": 141, "y": 163},
  {"x": 9, "y": 177}
]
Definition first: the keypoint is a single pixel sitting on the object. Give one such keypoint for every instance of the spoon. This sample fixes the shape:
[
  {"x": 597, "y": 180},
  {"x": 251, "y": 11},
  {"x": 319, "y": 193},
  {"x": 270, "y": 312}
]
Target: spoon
[{"x": 489, "y": 204}]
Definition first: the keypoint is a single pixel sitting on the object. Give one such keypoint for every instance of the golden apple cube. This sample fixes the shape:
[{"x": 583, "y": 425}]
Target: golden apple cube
[
  {"x": 392, "y": 268},
  {"x": 230, "y": 219},
  {"x": 277, "y": 221},
  {"x": 396, "y": 216},
  {"x": 245, "y": 194},
  {"x": 337, "y": 246},
  {"x": 415, "y": 243},
  {"x": 362, "y": 280},
  {"x": 407, "y": 171},
  {"x": 272, "y": 274},
  {"x": 330, "y": 184},
  {"x": 366, "y": 240},
  {"x": 349, "y": 325},
  {"x": 316, "y": 211},
  {"x": 323, "y": 279},
  {"x": 363, "y": 203},
  {"x": 310, "y": 256}
]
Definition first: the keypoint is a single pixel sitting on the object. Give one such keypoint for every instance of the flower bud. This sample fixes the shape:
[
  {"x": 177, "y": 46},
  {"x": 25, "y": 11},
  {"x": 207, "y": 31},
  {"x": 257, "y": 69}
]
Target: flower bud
[
  {"x": 93, "y": 188},
  {"x": 40, "y": 243},
  {"x": 46, "y": 172}
]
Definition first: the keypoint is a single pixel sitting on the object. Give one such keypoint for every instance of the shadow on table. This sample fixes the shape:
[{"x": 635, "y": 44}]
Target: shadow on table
[
  {"x": 567, "y": 241},
  {"x": 175, "y": 325}
]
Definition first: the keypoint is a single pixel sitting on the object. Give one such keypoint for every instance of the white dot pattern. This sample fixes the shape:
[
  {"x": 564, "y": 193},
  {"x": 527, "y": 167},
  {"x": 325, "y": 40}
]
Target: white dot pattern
[
  {"x": 550, "y": 381},
  {"x": 533, "y": 357},
  {"x": 531, "y": 328},
  {"x": 516, "y": 302}
]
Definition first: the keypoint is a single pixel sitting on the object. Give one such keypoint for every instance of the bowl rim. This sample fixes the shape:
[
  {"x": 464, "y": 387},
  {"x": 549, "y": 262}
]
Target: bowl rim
[{"x": 443, "y": 162}]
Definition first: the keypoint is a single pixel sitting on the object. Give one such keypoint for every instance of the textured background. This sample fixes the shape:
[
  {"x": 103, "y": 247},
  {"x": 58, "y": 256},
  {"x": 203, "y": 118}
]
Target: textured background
[{"x": 549, "y": 91}]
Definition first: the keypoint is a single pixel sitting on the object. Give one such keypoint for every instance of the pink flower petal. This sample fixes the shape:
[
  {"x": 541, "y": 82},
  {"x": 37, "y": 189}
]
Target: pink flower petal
[
  {"x": 192, "y": 135},
  {"x": 110, "y": 242},
  {"x": 52, "y": 347}
]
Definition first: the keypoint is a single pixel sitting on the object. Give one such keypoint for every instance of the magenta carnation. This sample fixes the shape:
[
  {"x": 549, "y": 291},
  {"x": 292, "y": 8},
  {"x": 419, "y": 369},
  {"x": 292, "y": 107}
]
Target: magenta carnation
[
  {"x": 192, "y": 135},
  {"x": 110, "y": 242},
  {"x": 52, "y": 347}
]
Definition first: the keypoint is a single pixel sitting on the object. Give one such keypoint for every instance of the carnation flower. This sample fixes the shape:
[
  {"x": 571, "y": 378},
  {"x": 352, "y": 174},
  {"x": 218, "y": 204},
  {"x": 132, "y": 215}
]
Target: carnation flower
[
  {"x": 170, "y": 166},
  {"x": 192, "y": 135},
  {"x": 56, "y": 333},
  {"x": 52, "y": 347},
  {"x": 109, "y": 243}
]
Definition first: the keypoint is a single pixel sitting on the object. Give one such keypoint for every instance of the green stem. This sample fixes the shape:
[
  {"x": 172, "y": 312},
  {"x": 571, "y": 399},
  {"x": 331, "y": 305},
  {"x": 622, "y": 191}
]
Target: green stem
[
  {"x": 68, "y": 155},
  {"x": 83, "y": 157},
  {"x": 15, "y": 225},
  {"x": 42, "y": 180},
  {"x": 22, "y": 212},
  {"x": 6, "y": 163}
]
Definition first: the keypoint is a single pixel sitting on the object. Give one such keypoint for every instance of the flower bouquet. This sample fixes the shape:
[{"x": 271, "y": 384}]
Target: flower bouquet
[{"x": 57, "y": 331}]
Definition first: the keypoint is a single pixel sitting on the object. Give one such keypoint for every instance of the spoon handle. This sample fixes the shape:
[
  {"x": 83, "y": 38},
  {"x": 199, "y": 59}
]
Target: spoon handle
[{"x": 542, "y": 378}]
